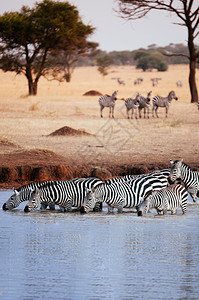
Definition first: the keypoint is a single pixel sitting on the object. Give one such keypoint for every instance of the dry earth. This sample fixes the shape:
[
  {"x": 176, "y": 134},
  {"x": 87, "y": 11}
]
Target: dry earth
[{"x": 37, "y": 140}]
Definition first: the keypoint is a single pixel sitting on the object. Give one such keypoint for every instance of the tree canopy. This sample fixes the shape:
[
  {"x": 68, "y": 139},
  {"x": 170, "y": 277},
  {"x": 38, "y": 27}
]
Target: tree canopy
[
  {"x": 187, "y": 12},
  {"x": 29, "y": 36}
]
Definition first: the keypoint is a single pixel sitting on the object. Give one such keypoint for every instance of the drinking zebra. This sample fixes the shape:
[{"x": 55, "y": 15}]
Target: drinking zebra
[
  {"x": 144, "y": 103},
  {"x": 66, "y": 194},
  {"x": 163, "y": 102},
  {"x": 108, "y": 101},
  {"x": 132, "y": 104},
  {"x": 166, "y": 199},
  {"x": 120, "y": 194},
  {"x": 189, "y": 177},
  {"x": 23, "y": 194}
]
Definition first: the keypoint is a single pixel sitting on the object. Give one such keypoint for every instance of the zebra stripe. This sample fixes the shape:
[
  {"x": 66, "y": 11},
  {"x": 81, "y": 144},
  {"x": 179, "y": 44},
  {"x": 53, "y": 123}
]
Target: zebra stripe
[
  {"x": 189, "y": 177},
  {"x": 166, "y": 199},
  {"x": 120, "y": 194},
  {"x": 66, "y": 194},
  {"x": 23, "y": 194},
  {"x": 144, "y": 103},
  {"x": 108, "y": 101},
  {"x": 163, "y": 102},
  {"x": 161, "y": 175},
  {"x": 132, "y": 104}
]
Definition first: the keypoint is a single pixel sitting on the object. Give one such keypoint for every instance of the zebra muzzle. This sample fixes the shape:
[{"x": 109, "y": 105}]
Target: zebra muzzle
[
  {"x": 140, "y": 214},
  {"x": 4, "y": 207},
  {"x": 82, "y": 210},
  {"x": 26, "y": 209}
]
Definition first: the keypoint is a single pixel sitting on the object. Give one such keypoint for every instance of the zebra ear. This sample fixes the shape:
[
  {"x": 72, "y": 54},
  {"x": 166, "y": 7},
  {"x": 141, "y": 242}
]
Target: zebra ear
[
  {"x": 181, "y": 160},
  {"x": 171, "y": 162},
  {"x": 15, "y": 191}
]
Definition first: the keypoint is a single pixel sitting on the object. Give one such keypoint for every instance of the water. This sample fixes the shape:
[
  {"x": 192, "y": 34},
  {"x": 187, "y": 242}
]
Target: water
[{"x": 53, "y": 255}]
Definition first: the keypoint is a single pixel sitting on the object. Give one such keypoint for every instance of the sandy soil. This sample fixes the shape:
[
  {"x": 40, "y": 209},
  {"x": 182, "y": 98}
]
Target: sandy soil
[{"x": 112, "y": 147}]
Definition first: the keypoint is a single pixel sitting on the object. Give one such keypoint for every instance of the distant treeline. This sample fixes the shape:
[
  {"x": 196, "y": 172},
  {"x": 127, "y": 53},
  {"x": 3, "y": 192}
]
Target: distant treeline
[{"x": 132, "y": 57}]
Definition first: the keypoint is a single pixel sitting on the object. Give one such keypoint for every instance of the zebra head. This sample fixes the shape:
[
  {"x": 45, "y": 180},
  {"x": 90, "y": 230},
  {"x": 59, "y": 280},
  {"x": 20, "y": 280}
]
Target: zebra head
[
  {"x": 114, "y": 95},
  {"x": 175, "y": 172},
  {"x": 13, "y": 201},
  {"x": 172, "y": 95},
  {"x": 148, "y": 97},
  {"x": 145, "y": 204},
  {"x": 89, "y": 201},
  {"x": 34, "y": 201}
]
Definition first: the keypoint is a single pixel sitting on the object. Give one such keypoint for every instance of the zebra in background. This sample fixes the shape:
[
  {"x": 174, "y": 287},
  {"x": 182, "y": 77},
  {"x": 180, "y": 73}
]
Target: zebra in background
[
  {"x": 166, "y": 199},
  {"x": 132, "y": 104},
  {"x": 120, "y": 194},
  {"x": 66, "y": 194},
  {"x": 179, "y": 83},
  {"x": 23, "y": 194},
  {"x": 144, "y": 103},
  {"x": 121, "y": 82},
  {"x": 189, "y": 177},
  {"x": 108, "y": 101},
  {"x": 163, "y": 102}
]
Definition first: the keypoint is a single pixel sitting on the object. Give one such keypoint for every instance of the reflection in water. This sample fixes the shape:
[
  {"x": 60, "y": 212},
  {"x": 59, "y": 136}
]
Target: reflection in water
[{"x": 52, "y": 255}]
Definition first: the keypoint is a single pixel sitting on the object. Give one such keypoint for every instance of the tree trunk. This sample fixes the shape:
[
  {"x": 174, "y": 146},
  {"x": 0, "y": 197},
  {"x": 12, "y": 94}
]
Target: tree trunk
[
  {"x": 192, "y": 81},
  {"x": 32, "y": 87},
  {"x": 192, "y": 65}
]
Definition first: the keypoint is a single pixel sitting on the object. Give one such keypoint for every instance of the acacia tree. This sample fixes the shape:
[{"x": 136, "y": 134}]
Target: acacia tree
[
  {"x": 103, "y": 64},
  {"x": 27, "y": 37},
  {"x": 188, "y": 13},
  {"x": 66, "y": 55}
]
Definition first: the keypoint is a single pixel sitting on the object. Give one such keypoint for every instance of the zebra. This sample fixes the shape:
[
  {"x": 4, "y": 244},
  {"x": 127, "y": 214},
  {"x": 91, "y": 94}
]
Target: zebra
[
  {"x": 138, "y": 80},
  {"x": 120, "y": 194},
  {"x": 189, "y": 177},
  {"x": 144, "y": 103},
  {"x": 179, "y": 83},
  {"x": 67, "y": 194},
  {"x": 163, "y": 102},
  {"x": 120, "y": 81},
  {"x": 22, "y": 194},
  {"x": 132, "y": 104},
  {"x": 166, "y": 199},
  {"x": 108, "y": 101}
]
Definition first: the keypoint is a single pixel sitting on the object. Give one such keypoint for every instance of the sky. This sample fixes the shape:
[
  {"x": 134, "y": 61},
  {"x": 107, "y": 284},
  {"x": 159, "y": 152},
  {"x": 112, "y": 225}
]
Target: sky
[{"x": 114, "y": 33}]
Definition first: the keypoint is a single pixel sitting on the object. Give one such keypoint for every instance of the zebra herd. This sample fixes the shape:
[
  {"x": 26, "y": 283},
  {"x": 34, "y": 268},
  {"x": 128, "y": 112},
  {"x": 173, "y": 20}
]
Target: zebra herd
[
  {"x": 137, "y": 104},
  {"x": 159, "y": 189}
]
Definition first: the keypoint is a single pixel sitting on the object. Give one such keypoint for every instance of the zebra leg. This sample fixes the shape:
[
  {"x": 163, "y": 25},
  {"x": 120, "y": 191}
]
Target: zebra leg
[
  {"x": 174, "y": 211},
  {"x": 101, "y": 109},
  {"x": 127, "y": 111},
  {"x": 153, "y": 111},
  {"x": 113, "y": 112},
  {"x": 52, "y": 206},
  {"x": 156, "y": 111},
  {"x": 144, "y": 112},
  {"x": 147, "y": 113},
  {"x": 140, "y": 116},
  {"x": 110, "y": 208},
  {"x": 43, "y": 206},
  {"x": 167, "y": 111}
]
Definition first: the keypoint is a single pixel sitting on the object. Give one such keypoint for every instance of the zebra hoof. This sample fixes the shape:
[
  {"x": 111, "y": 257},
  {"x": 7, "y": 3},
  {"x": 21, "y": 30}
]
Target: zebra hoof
[{"x": 4, "y": 207}]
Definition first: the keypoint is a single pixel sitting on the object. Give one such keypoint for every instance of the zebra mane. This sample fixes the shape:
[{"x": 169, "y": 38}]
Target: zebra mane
[{"x": 185, "y": 165}]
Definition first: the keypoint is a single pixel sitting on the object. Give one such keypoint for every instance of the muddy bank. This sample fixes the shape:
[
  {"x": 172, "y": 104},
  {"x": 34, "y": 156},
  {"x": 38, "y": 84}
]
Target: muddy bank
[{"x": 19, "y": 175}]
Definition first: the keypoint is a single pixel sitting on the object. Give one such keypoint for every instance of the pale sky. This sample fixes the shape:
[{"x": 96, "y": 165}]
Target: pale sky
[{"x": 114, "y": 33}]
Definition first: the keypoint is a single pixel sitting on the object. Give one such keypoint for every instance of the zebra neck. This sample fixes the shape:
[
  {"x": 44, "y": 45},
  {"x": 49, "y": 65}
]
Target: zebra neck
[{"x": 186, "y": 175}]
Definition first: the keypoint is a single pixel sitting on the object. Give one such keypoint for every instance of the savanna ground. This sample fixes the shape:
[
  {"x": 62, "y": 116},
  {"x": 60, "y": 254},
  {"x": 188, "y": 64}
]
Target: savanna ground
[{"x": 114, "y": 147}]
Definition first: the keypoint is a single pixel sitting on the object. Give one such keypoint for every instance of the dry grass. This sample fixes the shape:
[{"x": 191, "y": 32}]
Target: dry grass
[{"x": 26, "y": 121}]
